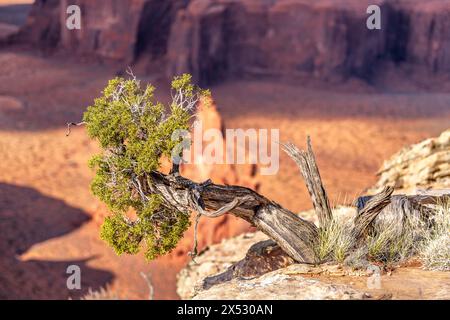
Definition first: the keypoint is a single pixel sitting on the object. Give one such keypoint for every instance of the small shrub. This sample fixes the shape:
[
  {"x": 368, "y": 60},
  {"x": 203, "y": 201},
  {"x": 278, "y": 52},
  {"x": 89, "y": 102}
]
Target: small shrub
[
  {"x": 389, "y": 247},
  {"x": 391, "y": 241}
]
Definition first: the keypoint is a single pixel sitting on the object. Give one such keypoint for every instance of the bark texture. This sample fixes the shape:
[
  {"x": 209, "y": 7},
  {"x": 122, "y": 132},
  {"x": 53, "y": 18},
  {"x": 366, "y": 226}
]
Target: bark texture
[
  {"x": 306, "y": 161},
  {"x": 293, "y": 234}
]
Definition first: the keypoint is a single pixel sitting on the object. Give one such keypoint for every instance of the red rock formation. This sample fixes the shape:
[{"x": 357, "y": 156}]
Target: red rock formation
[
  {"x": 113, "y": 29},
  {"x": 214, "y": 39},
  {"x": 428, "y": 34},
  {"x": 293, "y": 37},
  {"x": 212, "y": 230}
]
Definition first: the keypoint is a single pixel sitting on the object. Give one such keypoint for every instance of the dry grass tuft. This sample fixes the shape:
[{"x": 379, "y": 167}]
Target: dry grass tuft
[
  {"x": 335, "y": 239},
  {"x": 101, "y": 294},
  {"x": 392, "y": 240},
  {"x": 434, "y": 249}
]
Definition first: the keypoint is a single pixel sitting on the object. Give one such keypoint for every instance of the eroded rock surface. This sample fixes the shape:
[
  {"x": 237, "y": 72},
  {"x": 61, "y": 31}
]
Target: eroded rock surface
[
  {"x": 215, "y": 260},
  {"x": 216, "y": 39},
  {"x": 251, "y": 267},
  {"x": 225, "y": 271},
  {"x": 425, "y": 165},
  {"x": 113, "y": 29},
  {"x": 281, "y": 284}
]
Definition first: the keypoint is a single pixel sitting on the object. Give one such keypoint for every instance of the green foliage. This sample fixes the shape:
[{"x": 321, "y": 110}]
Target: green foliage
[
  {"x": 134, "y": 132},
  {"x": 122, "y": 235}
]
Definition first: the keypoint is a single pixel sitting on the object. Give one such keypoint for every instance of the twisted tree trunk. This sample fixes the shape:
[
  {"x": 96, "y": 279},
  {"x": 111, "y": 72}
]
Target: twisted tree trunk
[
  {"x": 296, "y": 236},
  {"x": 293, "y": 234}
]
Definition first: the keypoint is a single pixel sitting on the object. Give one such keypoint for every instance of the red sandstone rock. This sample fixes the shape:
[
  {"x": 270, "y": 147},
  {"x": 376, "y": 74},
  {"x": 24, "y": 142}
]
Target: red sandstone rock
[
  {"x": 328, "y": 39},
  {"x": 113, "y": 29},
  {"x": 215, "y": 39}
]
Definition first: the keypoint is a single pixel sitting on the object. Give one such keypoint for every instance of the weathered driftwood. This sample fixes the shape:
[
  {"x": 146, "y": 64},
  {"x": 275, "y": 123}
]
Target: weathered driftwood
[
  {"x": 370, "y": 211},
  {"x": 306, "y": 161},
  {"x": 400, "y": 207},
  {"x": 430, "y": 197},
  {"x": 297, "y": 237}
]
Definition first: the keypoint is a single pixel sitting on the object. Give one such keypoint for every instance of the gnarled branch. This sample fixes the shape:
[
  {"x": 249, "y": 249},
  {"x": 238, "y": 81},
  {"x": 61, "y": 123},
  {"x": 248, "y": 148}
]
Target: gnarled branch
[
  {"x": 306, "y": 161},
  {"x": 369, "y": 212},
  {"x": 293, "y": 234}
]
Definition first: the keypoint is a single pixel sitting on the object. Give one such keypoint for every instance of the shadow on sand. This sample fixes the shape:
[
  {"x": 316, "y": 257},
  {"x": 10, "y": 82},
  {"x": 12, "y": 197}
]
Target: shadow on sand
[{"x": 28, "y": 217}]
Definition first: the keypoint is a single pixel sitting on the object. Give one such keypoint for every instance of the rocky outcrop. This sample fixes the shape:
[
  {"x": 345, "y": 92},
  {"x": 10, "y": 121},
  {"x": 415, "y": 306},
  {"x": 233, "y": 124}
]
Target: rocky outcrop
[
  {"x": 214, "y": 260},
  {"x": 222, "y": 38},
  {"x": 216, "y": 39},
  {"x": 426, "y": 42},
  {"x": 251, "y": 267},
  {"x": 283, "y": 284},
  {"x": 43, "y": 27},
  {"x": 425, "y": 165}
]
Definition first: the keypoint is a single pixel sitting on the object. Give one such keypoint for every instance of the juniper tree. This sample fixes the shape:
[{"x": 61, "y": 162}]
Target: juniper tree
[{"x": 135, "y": 132}]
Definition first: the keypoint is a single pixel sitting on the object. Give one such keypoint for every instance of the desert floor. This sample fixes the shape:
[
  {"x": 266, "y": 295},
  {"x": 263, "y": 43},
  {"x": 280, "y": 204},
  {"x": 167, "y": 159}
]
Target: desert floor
[{"x": 49, "y": 219}]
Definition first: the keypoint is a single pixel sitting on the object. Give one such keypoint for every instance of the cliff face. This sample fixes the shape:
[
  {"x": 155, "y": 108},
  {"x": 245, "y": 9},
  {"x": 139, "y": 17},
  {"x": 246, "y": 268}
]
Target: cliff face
[
  {"x": 272, "y": 38},
  {"x": 113, "y": 29},
  {"x": 215, "y": 39},
  {"x": 292, "y": 37},
  {"x": 428, "y": 42}
]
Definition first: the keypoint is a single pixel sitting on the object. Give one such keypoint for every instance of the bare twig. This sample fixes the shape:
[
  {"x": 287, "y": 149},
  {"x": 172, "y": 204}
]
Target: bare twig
[
  {"x": 70, "y": 124},
  {"x": 129, "y": 71}
]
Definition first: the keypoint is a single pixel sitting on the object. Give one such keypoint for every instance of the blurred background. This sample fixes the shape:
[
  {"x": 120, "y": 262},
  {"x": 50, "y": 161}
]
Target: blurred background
[{"x": 306, "y": 67}]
